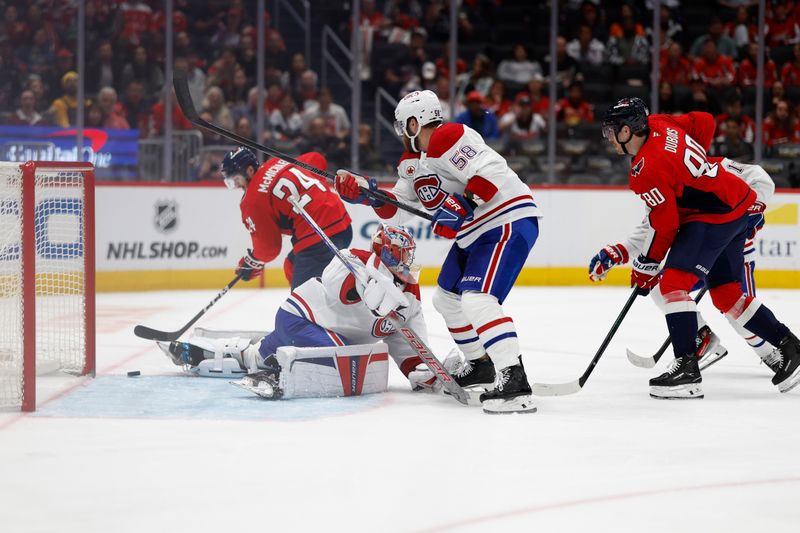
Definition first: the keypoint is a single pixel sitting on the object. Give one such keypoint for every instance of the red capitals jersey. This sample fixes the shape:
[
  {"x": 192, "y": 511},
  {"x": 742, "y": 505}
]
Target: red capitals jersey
[
  {"x": 267, "y": 213},
  {"x": 673, "y": 176}
]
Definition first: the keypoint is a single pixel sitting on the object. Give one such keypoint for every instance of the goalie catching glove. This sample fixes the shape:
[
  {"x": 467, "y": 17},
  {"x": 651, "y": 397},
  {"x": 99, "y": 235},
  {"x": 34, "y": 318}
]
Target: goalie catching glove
[{"x": 249, "y": 267}]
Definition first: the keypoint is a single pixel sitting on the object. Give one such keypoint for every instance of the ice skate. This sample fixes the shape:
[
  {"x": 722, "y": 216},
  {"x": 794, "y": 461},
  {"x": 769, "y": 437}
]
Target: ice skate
[
  {"x": 263, "y": 383},
  {"x": 682, "y": 380},
  {"x": 787, "y": 375},
  {"x": 478, "y": 373},
  {"x": 511, "y": 393},
  {"x": 709, "y": 350}
]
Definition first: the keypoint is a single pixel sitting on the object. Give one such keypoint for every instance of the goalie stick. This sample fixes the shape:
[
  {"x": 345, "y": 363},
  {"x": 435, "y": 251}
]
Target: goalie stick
[
  {"x": 411, "y": 337},
  {"x": 166, "y": 336},
  {"x": 184, "y": 97},
  {"x": 562, "y": 389},
  {"x": 650, "y": 362}
]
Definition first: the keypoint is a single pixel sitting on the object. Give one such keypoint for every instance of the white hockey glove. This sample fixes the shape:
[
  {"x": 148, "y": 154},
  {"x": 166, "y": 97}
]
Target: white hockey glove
[
  {"x": 380, "y": 294},
  {"x": 423, "y": 380}
]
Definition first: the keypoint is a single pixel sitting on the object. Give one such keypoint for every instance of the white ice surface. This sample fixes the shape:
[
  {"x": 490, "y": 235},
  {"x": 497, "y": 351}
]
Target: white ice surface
[{"x": 165, "y": 452}]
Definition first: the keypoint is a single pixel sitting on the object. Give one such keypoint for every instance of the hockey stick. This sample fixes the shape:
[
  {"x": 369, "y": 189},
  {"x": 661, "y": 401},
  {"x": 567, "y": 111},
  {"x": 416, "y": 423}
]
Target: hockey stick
[
  {"x": 411, "y": 337},
  {"x": 156, "y": 335},
  {"x": 650, "y": 362},
  {"x": 184, "y": 97},
  {"x": 562, "y": 389}
]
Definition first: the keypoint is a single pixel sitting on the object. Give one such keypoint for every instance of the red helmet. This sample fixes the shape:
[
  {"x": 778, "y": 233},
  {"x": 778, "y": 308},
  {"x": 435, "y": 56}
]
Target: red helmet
[{"x": 395, "y": 246}]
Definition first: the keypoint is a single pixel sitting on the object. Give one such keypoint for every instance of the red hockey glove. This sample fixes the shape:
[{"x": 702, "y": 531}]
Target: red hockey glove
[
  {"x": 451, "y": 215},
  {"x": 608, "y": 257},
  {"x": 249, "y": 267},
  {"x": 349, "y": 186},
  {"x": 756, "y": 219},
  {"x": 645, "y": 274}
]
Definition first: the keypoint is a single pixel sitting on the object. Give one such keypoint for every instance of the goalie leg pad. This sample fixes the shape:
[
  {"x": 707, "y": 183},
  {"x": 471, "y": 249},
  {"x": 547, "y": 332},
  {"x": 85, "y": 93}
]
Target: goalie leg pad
[{"x": 334, "y": 371}]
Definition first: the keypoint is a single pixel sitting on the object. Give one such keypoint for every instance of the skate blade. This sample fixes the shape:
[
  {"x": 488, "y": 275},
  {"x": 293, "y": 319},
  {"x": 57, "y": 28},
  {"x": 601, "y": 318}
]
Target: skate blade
[
  {"x": 518, "y": 404},
  {"x": 692, "y": 391},
  {"x": 262, "y": 390},
  {"x": 708, "y": 360},
  {"x": 473, "y": 394},
  {"x": 791, "y": 382}
]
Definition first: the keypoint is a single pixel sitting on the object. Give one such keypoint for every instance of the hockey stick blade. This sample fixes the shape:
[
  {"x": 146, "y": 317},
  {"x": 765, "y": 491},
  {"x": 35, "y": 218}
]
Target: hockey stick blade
[
  {"x": 556, "y": 389},
  {"x": 157, "y": 335},
  {"x": 650, "y": 362},
  {"x": 184, "y": 98},
  {"x": 638, "y": 360}
]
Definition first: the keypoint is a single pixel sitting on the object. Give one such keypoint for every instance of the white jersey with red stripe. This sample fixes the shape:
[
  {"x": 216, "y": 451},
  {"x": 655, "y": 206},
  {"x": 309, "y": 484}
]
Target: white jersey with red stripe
[
  {"x": 331, "y": 302},
  {"x": 459, "y": 161},
  {"x": 755, "y": 176}
]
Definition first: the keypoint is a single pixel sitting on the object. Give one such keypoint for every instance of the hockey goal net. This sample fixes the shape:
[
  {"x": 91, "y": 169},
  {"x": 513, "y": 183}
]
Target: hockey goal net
[{"x": 46, "y": 275}]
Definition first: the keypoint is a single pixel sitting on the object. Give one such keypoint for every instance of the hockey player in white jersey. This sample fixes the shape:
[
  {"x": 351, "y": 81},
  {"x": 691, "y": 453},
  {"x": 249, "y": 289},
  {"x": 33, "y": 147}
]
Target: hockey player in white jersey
[
  {"x": 336, "y": 310},
  {"x": 478, "y": 201},
  {"x": 709, "y": 348}
]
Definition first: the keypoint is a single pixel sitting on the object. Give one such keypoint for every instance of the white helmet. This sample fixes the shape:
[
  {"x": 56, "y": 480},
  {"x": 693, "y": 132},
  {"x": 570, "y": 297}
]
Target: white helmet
[{"x": 423, "y": 106}]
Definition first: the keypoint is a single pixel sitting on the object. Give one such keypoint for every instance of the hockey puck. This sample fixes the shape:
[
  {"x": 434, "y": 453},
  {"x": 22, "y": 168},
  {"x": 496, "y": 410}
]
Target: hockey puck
[{"x": 134, "y": 373}]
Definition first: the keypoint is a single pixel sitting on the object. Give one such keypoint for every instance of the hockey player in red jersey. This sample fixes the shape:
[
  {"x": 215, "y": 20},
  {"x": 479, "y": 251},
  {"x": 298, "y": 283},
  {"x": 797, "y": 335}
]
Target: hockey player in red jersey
[
  {"x": 267, "y": 213},
  {"x": 480, "y": 203},
  {"x": 698, "y": 212}
]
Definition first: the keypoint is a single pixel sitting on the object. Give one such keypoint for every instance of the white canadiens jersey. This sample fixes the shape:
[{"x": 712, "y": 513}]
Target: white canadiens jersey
[
  {"x": 755, "y": 176},
  {"x": 332, "y": 302},
  {"x": 457, "y": 154}
]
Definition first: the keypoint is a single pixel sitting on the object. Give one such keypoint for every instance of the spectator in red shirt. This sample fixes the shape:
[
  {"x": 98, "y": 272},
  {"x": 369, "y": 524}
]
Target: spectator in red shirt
[
  {"x": 675, "y": 68},
  {"x": 747, "y": 126},
  {"x": 136, "y": 110},
  {"x": 539, "y": 102},
  {"x": 790, "y": 73},
  {"x": 573, "y": 109},
  {"x": 746, "y": 73},
  {"x": 134, "y": 20},
  {"x": 112, "y": 110},
  {"x": 496, "y": 99},
  {"x": 179, "y": 120},
  {"x": 713, "y": 68},
  {"x": 781, "y": 126},
  {"x": 782, "y": 27},
  {"x": 443, "y": 63}
]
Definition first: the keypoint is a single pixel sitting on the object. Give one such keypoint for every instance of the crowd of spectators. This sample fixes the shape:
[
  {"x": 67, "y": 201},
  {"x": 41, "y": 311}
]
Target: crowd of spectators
[
  {"x": 125, "y": 86},
  {"x": 707, "y": 55}
]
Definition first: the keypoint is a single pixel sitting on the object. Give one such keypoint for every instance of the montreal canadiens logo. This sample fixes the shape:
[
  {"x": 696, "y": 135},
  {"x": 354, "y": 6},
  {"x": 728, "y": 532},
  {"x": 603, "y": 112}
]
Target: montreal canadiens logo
[
  {"x": 429, "y": 191},
  {"x": 382, "y": 328}
]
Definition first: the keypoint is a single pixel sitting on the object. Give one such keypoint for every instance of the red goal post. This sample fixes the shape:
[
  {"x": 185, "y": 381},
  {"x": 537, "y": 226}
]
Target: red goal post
[{"x": 47, "y": 274}]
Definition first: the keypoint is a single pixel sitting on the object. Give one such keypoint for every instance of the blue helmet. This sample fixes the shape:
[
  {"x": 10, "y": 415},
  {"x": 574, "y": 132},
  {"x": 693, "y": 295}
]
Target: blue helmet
[
  {"x": 631, "y": 112},
  {"x": 236, "y": 162}
]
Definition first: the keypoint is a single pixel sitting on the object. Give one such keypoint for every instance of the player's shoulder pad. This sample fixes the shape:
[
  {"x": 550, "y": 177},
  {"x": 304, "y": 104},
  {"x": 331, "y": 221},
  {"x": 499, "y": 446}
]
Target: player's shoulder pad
[{"x": 443, "y": 138}]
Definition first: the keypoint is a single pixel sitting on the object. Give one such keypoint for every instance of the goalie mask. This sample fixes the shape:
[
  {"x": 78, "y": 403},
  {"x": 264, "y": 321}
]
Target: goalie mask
[
  {"x": 395, "y": 246},
  {"x": 421, "y": 105}
]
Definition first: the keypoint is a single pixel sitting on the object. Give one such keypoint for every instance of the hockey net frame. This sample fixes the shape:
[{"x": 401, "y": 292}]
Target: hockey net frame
[{"x": 32, "y": 179}]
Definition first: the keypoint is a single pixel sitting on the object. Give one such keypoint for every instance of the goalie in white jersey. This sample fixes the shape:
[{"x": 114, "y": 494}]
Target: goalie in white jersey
[
  {"x": 478, "y": 201},
  {"x": 709, "y": 348},
  {"x": 336, "y": 310}
]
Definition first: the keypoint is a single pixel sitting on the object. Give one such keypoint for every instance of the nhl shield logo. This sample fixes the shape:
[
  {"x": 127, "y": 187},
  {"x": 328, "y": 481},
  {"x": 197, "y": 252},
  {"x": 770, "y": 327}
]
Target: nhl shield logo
[
  {"x": 166, "y": 217},
  {"x": 429, "y": 191}
]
